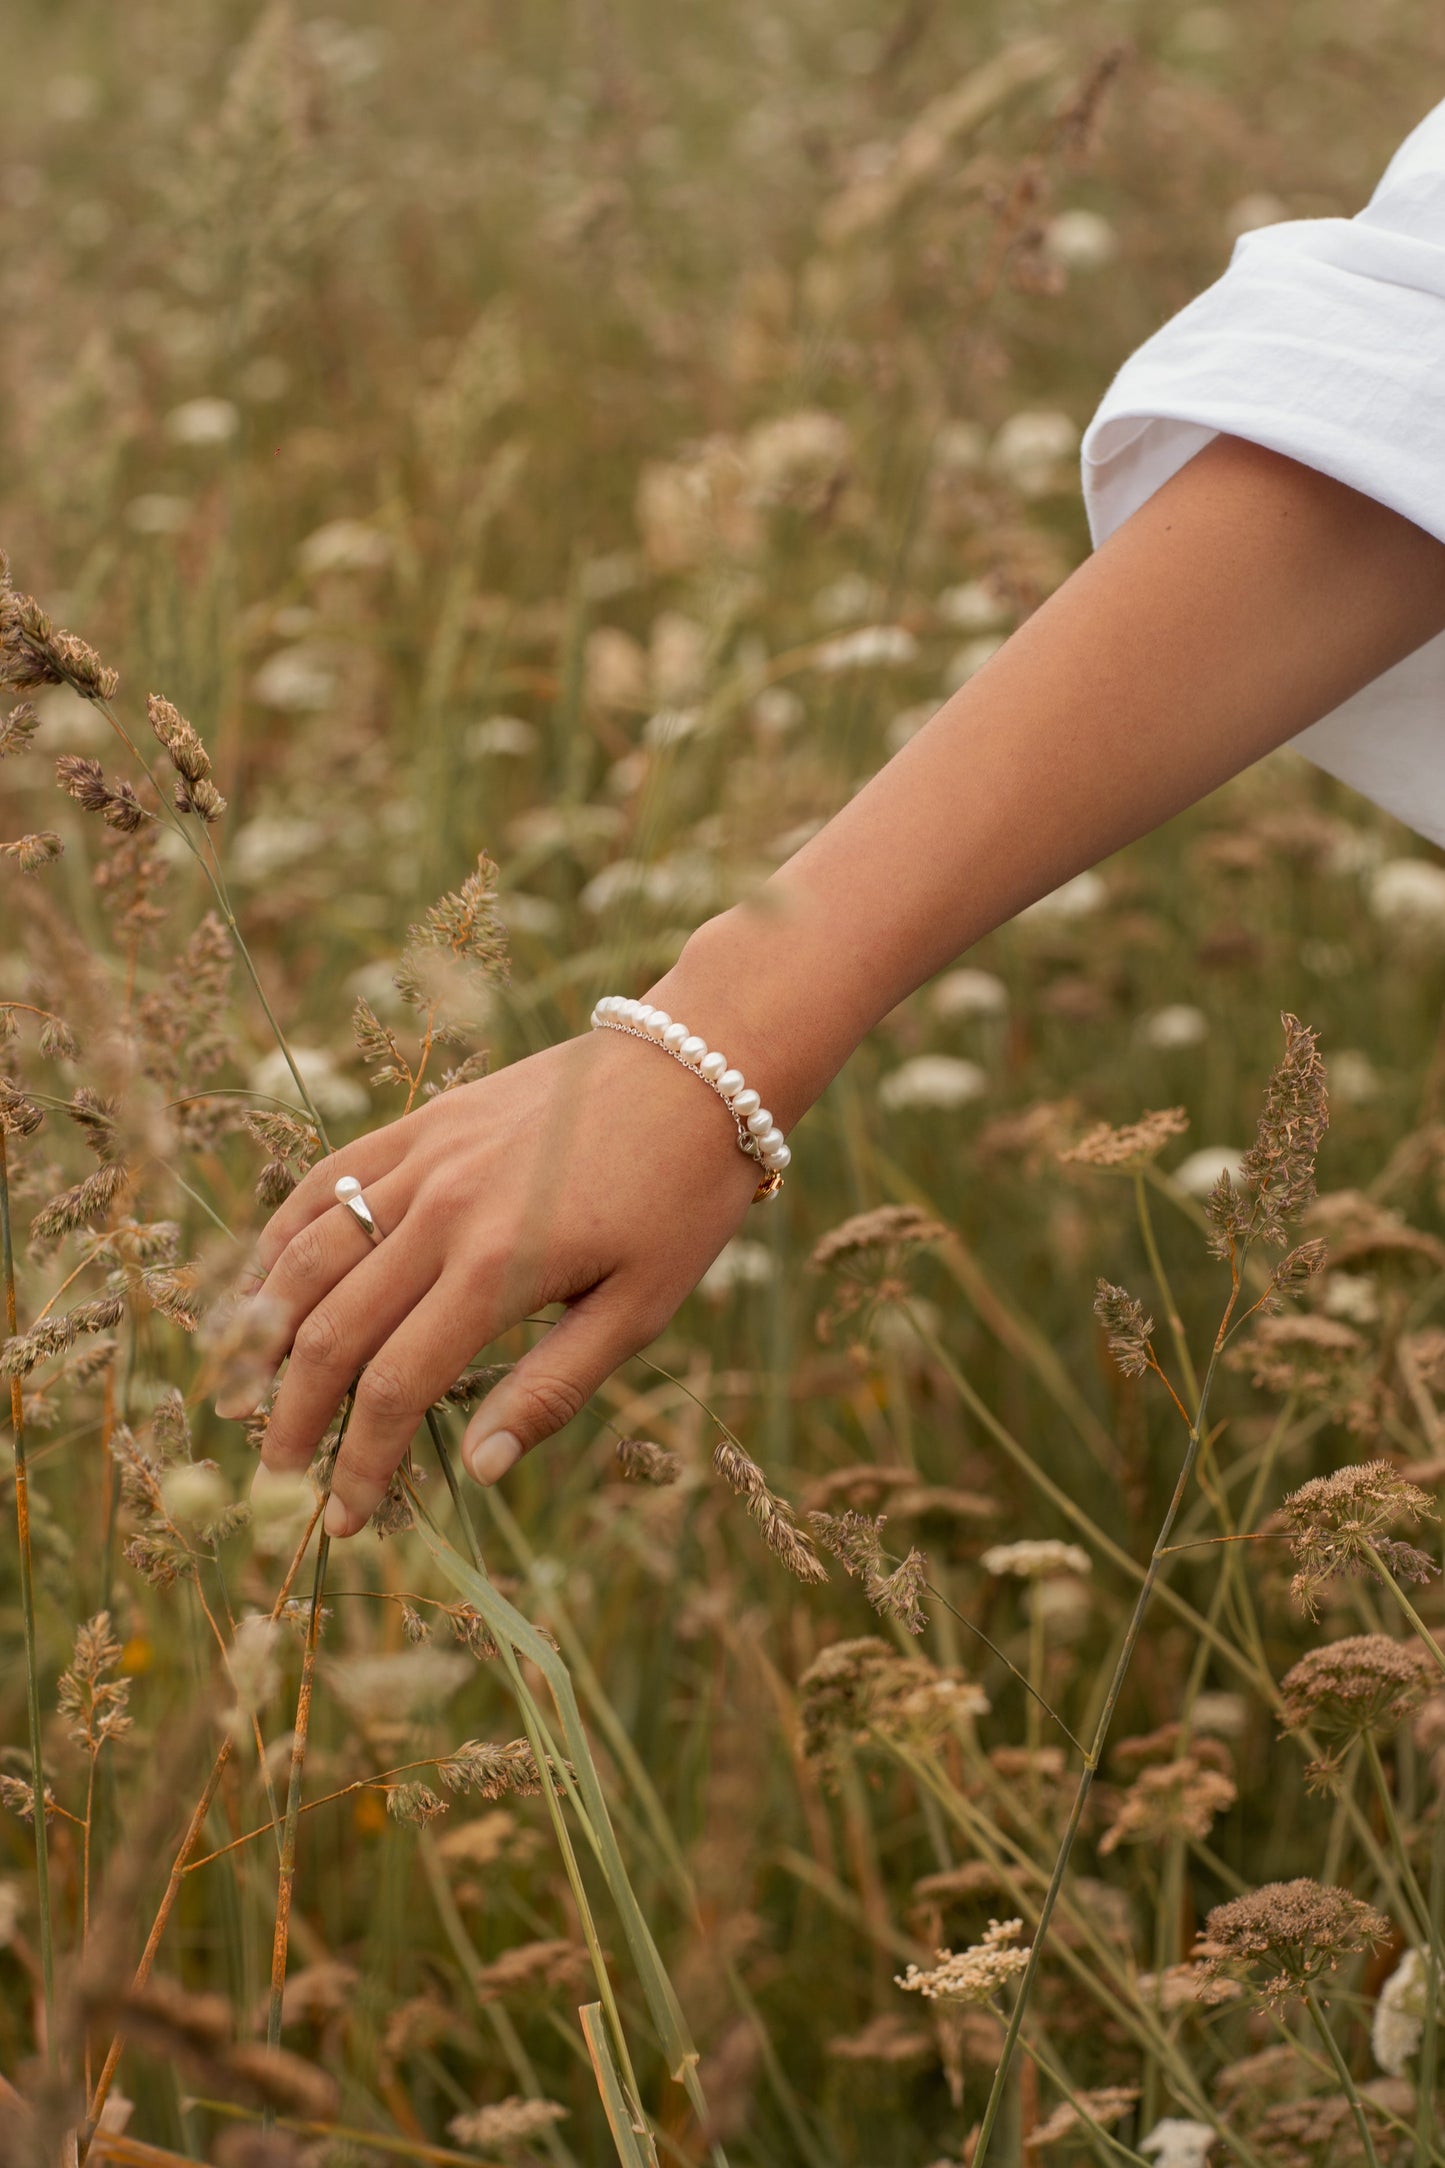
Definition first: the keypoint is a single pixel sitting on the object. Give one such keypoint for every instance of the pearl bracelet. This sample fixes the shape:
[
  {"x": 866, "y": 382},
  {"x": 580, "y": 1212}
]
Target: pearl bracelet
[{"x": 758, "y": 1134}]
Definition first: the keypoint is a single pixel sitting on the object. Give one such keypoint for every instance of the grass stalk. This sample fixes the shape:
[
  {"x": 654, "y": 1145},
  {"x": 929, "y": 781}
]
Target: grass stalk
[
  {"x": 1342, "y": 2072},
  {"x": 27, "y": 1609}
]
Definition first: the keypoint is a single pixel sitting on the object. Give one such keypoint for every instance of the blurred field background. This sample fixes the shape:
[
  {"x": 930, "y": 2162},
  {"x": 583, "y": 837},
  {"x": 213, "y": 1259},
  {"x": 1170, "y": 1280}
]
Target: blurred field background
[{"x": 597, "y": 436}]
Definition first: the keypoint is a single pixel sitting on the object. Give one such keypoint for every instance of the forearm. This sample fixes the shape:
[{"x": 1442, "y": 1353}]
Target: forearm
[{"x": 1248, "y": 597}]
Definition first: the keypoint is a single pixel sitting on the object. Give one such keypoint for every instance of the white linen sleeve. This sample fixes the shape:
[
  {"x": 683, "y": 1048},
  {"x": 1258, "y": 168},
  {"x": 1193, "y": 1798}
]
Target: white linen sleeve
[{"x": 1324, "y": 339}]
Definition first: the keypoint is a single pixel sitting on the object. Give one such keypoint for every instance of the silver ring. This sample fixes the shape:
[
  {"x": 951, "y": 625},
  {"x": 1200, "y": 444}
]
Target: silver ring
[{"x": 348, "y": 1192}]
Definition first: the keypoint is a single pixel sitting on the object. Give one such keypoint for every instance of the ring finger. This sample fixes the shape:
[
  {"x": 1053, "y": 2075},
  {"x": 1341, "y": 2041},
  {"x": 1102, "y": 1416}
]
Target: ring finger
[{"x": 321, "y": 1253}]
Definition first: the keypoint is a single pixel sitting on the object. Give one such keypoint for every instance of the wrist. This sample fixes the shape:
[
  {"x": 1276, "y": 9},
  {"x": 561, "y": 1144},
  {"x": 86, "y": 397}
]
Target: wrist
[{"x": 754, "y": 997}]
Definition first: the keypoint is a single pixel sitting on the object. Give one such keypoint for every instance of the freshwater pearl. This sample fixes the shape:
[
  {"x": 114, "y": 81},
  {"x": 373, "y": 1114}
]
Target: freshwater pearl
[
  {"x": 746, "y": 1103},
  {"x": 674, "y": 1036},
  {"x": 712, "y": 1066},
  {"x": 632, "y": 1012},
  {"x": 781, "y": 1158},
  {"x": 768, "y": 1139},
  {"x": 693, "y": 1048},
  {"x": 348, "y": 1186},
  {"x": 730, "y": 1083},
  {"x": 758, "y": 1121},
  {"x": 657, "y": 1023}
]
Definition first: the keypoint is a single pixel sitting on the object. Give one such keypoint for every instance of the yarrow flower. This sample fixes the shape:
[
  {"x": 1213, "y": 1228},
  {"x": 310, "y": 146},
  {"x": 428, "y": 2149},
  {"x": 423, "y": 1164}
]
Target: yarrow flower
[
  {"x": 1337, "y": 1521},
  {"x": 973, "y": 1975},
  {"x": 1177, "y": 2141},
  {"x": 1035, "y": 1558},
  {"x": 1399, "y": 2019},
  {"x": 1295, "y": 1930},
  {"x": 1364, "y": 1683}
]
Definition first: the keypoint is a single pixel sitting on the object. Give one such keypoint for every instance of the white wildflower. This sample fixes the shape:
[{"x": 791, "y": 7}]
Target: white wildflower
[
  {"x": 778, "y": 709},
  {"x": 1179, "y": 1024},
  {"x": 1030, "y": 450},
  {"x": 850, "y": 597},
  {"x": 1081, "y": 240},
  {"x": 1221, "y": 1715},
  {"x": 966, "y": 992},
  {"x": 1399, "y": 2017},
  {"x": 1354, "y": 850},
  {"x": 968, "y": 660},
  {"x": 797, "y": 458},
  {"x": 1354, "y": 1297},
  {"x": 296, "y": 681},
  {"x": 194, "y": 1493},
  {"x": 251, "y": 1658},
  {"x": 1409, "y": 893},
  {"x": 344, "y": 545},
  {"x": 281, "y": 1506},
  {"x": 1032, "y": 1558},
  {"x": 1197, "y": 1174},
  {"x": 156, "y": 513},
  {"x": 897, "y": 1326},
  {"x": 973, "y": 1975},
  {"x": 509, "y": 734},
  {"x": 400, "y": 1684},
  {"x": 669, "y": 725},
  {"x": 520, "y": 912},
  {"x": 740, "y": 1263},
  {"x": 614, "y": 668},
  {"x": 12, "y": 1905},
  {"x": 677, "y": 657},
  {"x": 336, "y": 1095},
  {"x": 1177, "y": 2142},
  {"x": 272, "y": 842},
  {"x": 870, "y": 647},
  {"x": 683, "y": 879},
  {"x": 1351, "y": 1076},
  {"x": 203, "y": 421},
  {"x": 932, "y": 1080},
  {"x": 959, "y": 447},
  {"x": 976, "y": 606},
  {"x": 1063, "y": 1602},
  {"x": 1077, "y": 898}
]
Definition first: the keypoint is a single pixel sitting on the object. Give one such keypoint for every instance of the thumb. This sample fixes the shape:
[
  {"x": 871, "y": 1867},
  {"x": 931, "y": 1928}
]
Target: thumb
[{"x": 553, "y": 1381}]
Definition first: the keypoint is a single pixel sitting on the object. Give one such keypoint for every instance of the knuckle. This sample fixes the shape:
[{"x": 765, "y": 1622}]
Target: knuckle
[
  {"x": 384, "y": 1393},
  {"x": 552, "y": 1401},
  {"x": 318, "y": 1340},
  {"x": 304, "y": 1254}
]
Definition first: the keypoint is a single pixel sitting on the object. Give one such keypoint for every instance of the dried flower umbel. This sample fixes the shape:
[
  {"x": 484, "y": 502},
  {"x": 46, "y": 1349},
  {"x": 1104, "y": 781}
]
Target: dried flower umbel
[
  {"x": 1367, "y": 1682},
  {"x": 1292, "y": 1932},
  {"x": 1338, "y": 1524},
  {"x": 974, "y": 1975}
]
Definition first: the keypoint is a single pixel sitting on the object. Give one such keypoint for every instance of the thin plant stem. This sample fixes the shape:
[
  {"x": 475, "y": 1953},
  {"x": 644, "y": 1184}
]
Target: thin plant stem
[
  {"x": 27, "y": 1608},
  {"x": 1342, "y": 2072},
  {"x": 1397, "y": 1845},
  {"x": 1106, "y": 1714},
  {"x": 1171, "y": 1307},
  {"x": 286, "y": 1876},
  {"x": 1429, "y": 2031},
  {"x": 188, "y": 1843},
  {"x": 1405, "y": 1604}
]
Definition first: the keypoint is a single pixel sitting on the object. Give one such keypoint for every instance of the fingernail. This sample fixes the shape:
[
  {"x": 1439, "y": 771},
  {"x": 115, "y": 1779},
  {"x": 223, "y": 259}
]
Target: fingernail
[
  {"x": 340, "y": 1520},
  {"x": 490, "y": 1458}
]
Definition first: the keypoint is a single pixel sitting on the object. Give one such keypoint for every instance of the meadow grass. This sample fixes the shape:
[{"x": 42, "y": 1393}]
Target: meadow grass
[{"x": 567, "y": 452}]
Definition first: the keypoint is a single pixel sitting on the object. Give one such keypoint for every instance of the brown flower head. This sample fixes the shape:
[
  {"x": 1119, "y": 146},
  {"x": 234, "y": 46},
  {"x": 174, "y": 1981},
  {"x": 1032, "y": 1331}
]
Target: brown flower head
[
  {"x": 1102, "y": 1146},
  {"x": 773, "y": 1515},
  {"x": 1367, "y": 1682},
  {"x": 1170, "y": 1799},
  {"x": 1128, "y": 1329},
  {"x": 1295, "y": 1931},
  {"x": 1337, "y": 1520},
  {"x": 1278, "y": 1171}
]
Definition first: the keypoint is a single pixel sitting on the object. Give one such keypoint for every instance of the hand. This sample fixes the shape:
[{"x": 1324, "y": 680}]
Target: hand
[{"x": 596, "y": 1173}]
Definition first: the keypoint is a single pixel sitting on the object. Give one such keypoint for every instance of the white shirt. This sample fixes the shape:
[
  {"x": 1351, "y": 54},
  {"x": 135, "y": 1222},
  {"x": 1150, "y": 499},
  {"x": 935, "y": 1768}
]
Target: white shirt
[{"x": 1325, "y": 340}]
